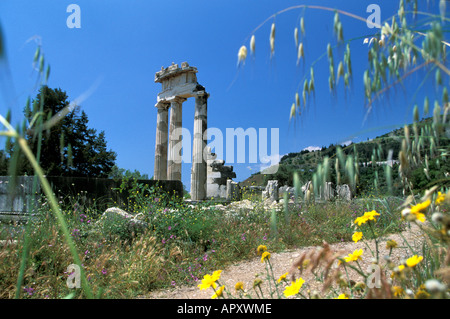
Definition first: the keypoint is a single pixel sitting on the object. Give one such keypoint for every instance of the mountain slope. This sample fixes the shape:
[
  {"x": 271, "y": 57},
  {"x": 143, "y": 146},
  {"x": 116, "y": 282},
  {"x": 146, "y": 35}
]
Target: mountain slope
[{"x": 383, "y": 150}]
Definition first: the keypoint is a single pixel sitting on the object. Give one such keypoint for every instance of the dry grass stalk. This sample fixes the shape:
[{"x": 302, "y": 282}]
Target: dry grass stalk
[{"x": 312, "y": 259}]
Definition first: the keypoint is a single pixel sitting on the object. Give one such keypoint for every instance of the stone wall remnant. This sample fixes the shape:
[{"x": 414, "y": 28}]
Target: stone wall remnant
[
  {"x": 271, "y": 191},
  {"x": 233, "y": 191},
  {"x": 217, "y": 176},
  {"x": 344, "y": 192}
]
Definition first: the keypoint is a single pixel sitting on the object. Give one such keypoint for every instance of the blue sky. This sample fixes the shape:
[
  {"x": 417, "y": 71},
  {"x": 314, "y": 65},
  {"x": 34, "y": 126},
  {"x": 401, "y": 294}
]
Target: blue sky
[{"x": 121, "y": 44}]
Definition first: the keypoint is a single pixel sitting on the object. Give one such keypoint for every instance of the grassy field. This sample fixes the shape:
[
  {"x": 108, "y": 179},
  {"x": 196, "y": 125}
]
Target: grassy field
[{"x": 181, "y": 244}]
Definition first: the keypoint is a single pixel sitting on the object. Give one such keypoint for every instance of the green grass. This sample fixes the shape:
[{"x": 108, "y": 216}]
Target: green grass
[{"x": 182, "y": 243}]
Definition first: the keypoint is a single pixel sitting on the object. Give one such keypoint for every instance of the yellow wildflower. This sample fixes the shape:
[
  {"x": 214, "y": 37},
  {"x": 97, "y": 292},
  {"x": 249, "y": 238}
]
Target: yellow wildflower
[
  {"x": 413, "y": 215},
  {"x": 207, "y": 282},
  {"x": 354, "y": 256},
  {"x": 391, "y": 244},
  {"x": 294, "y": 288},
  {"x": 360, "y": 286},
  {"x": 413, "y": 261},
  {"x": 257, "y": 282},
  {"x": 420, "y": 217},
  {"x": 361, "y": 220},
  {"x": 398, "y": 272},
  {"x": 357, "y": 236},
  {"x": 420, "y": 207},
  {"x": 282, "y": 277},
  {"x": 366, "y": 217},
  {"x": 371, "y": 215},
  {"x": 216, "y": 274},
  {"x": 342, "y": 296},
  {"x": 398, "y": 291},
  {"x": 415, "y": 212},
  {"x": 210, "y": 281},
  {"x": 265, "y": 255},
  {"x": 239, "y": 286},
  {"x": 440, "y": 198},
  {"x": 261, "y": 249},
  {"x": 422, "y": 294},
  {"x": 219, "y": 292}
]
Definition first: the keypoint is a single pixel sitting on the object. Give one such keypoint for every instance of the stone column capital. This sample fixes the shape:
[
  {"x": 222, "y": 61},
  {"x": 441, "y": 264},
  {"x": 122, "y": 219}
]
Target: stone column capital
[
  {"x": 202, "y": 93},
  {"x": 176, "y": 99},
  {"x": 162, "y": 105}
]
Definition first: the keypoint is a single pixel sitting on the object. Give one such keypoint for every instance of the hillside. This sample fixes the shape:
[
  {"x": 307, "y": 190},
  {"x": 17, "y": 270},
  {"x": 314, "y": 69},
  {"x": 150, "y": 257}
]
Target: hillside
[{"x": 378, "y": 150}]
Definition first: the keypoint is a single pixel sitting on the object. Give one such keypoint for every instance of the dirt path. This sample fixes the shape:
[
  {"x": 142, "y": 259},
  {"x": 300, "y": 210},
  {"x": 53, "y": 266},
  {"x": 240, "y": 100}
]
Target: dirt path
[{"x": 281, "y": 262}]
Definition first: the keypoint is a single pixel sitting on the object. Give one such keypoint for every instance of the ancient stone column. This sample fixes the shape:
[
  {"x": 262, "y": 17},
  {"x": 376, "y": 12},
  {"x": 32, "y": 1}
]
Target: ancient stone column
[
  {"x": 160, "y": 172},
  {"x": 198, "y": 172},
  {"x": 175, "y": 139}
]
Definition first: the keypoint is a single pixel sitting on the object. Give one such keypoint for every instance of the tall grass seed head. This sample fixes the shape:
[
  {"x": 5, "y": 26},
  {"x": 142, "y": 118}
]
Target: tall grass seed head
[
  {"x": 301, "y": 51},
  {"x": 272, "y": 39},
  {"x": 435, "y": 286},
  {"x": 296, "y": 37},
  {"x": 437, "y": 217},
  {"x": 252, "y": 44},
  {"x": 406, "y": 212},
  {"x": 242, "y": 54}
]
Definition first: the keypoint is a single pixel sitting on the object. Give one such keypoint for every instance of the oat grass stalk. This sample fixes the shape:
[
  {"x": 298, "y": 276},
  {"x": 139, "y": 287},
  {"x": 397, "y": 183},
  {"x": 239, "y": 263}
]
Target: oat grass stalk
[
  {"x": 376, "y": 241},
  {"x": 271, "y": 276},
  {"x": 12, "y": 133}
]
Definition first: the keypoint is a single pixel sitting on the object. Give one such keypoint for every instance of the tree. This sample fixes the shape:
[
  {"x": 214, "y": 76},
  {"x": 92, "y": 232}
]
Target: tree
[
  {"x": 119, "y": 173},
  {"x": 67, "y": 147},
  {"x": 3, "y": 163}
]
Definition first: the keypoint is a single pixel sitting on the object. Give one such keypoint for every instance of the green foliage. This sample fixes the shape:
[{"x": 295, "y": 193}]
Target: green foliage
[
  {"x": 120, "y": 173},
  {"x": 142, "y": 197},
  {"x": 116, "y": 226},
  {"x": 371, "y": 178},
  {"x": 68, "y": 147}
]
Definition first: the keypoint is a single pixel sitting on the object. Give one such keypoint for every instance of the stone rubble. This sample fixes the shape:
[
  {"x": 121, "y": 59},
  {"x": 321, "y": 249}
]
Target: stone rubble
[
  {"x": 218, "y": 176},
  {"x": 133, "y": 222}
]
